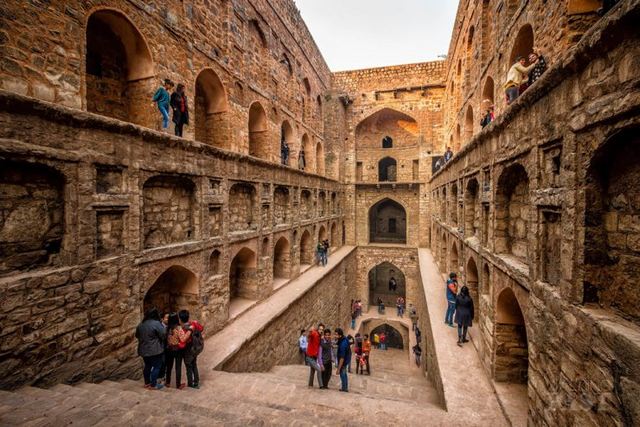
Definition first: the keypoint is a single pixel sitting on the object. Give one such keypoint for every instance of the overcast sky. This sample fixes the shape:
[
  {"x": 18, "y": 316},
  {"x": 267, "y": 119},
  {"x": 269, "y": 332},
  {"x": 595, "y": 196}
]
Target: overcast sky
[{"x": 356, "y": 34}]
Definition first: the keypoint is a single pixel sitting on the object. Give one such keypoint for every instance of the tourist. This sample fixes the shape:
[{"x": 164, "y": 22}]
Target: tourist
[
  {"x": 539, "y": 68},
  {"x": 366, "y": 351},
  {"x": 515, "y": 77},
  {"x": 327, "y": 357},
  {"x": 417, "y": 352},
  {"x": 393, "y": 285},
  {"x": 451, "y": 292},
  {"x": 344, "y": 354},
  {"x": 357, "y": 349},
  {"x": 418, "y": 333},
  {"x": 162, "y": 99},
  {"x": 448, "y": 154},
  {"x": 439, "y": 163},
  {"x": 151, "y": 335},
  {"x": 284, "y": 151},
  {"x": 313, "y": 356},
  {"x": 334, "y": 349},
  {"x": 180, "y": 109},
  {"x": 400, "y": 306},
  {"x": 380, "y": 306},
  {"x": 354, "y": 315},
  {"x": 322, "y": 258},
  {"x": 301, "y": 162},
  {"x": 413, "y": 315},
  {"x": 194, "y": 346},
  {"x": 464, "y": 314},
  {"x": 163, "y": 366},
  {"x": 176, "y": 342},
  {"x": 376, "y": 340},
  {"x": 326, "y": 245},
  {"x": 320, "y": 329},
  {"x": 351, "y": 341},
  {"x": 383, "y": 341},
  {"x": 358, "y": 308},
  {"x": 488, "y": 117},
  {"x": 302, "y": 345}
]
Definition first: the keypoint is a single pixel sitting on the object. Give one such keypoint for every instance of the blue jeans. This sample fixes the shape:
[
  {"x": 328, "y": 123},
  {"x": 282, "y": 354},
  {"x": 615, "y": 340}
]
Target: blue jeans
[
  {"x": 512, "y": 94},
  {"x": 344, "y": 379},
  {"x": 164, "y": 110},
  {"x": 152, "y": 365},
  {"x": 451, "y": 308},
  {"x": 353, "y": 323}
]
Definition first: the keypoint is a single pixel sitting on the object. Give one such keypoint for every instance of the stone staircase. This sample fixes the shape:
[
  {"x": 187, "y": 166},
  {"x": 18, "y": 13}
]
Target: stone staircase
[{"x": 396, "y": 393}]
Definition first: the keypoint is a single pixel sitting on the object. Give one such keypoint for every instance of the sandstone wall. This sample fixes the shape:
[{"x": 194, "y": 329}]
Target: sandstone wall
[
  {"x": 328, "y": 302},
  {"x": 97, "y": 211},
  {"x": 549, "y": 170}
]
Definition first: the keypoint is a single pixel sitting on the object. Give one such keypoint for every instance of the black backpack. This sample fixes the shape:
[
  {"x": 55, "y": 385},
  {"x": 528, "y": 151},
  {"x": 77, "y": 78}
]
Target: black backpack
[{"x": 197, "y": 343}]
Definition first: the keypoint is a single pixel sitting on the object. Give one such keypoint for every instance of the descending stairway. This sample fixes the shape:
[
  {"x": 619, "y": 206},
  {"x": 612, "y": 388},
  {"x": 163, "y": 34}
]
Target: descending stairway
[{"x": 396, "y": 393}]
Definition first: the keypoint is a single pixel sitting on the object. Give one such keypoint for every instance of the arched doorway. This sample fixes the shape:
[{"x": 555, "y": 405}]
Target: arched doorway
[
  {"x": 512, "y": 206},
  {"x": 453, "y": 262},
  {"x": 281, "y": 259},
  {"x": 174, "y": 290},
  {"x": 322, "y": 233},
  {"x": 488, "y": 93},
  {"x": 335, "y": 239},
  {"x": 387, "y": 169},
  {"x": 210, "y": 106},
  {"x": 286, "y": 143},
  {"x": 258, "y": 135},
  {"x": 243, "y": 283},
  {"x": 393, "y": 336},
  {"x": 306, "y": 249},
  {"x": 119, "y": 70},
  {"x": 319, "y": 159},
  {"x": 471, "y": 281},
  {"x": 472, "y": 208},
  {"x": 387, "y": 282},
  {"x": 511, "y": 347},
  {"x": 468, "y": 124},
  {"x": 523, "y": 44},
  {"x": 387, "y": 222}
]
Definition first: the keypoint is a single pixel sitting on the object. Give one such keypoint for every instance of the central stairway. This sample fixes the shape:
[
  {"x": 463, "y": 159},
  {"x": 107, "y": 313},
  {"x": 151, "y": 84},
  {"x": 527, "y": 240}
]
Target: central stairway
[{"x": 394, "y": 394}]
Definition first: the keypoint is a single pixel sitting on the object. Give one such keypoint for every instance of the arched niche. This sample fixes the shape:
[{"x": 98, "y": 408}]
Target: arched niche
[
  {"x": 512, "y": 206},
  {"x": 522, "y": 44},
  {"x": 243, "y": 281},
  {"x": 175, "y": 289},
  {"x": 286, "y": 143},
  {"x": 282, "y": 259},
  {"x": 119, "y": 70},
  {"x": 511, "y": 344},
  {"x": 306, "y": 249},
  {"x": 258, "y": 134},
  {"x": 468, "y": 124},
  {"x": 387, "y": 222},
  {"x": 387, "y": 169},
  {"x": 210, "y": 110},
  {"x": 393, "y": 337}
]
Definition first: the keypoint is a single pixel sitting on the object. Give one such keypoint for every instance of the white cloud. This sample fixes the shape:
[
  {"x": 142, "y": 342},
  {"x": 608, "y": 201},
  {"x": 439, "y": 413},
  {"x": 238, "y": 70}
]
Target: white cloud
[{"x": 356, "y": 34}]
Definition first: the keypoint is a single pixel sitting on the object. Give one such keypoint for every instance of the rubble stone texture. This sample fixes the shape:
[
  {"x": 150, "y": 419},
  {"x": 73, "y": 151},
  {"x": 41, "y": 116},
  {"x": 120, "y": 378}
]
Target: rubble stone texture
[{"x": 104, "y": 214}]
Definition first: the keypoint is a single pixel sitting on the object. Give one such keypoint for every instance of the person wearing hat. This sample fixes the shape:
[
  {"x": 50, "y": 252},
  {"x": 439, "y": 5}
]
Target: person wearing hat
[
  {"x": 451, "y": 292},
  {"x": 515, "y": 77},
  {"x": 161, "y": 98}
]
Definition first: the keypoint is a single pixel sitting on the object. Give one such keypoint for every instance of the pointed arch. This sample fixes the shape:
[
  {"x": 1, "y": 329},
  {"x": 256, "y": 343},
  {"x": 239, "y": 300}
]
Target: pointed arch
[
  {"x": 387, "y": 222},
  {"x": 258, "y": 131},
  {"x": 282, "y": 259},
  {"x": 210, "y": 109}
]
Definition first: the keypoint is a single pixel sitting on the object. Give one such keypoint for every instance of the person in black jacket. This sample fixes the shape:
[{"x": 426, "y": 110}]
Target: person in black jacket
[
  {"x": 180, "y": 109},
  {"x": 464, "y": 314},
  {"x": 151, "y": 335}
]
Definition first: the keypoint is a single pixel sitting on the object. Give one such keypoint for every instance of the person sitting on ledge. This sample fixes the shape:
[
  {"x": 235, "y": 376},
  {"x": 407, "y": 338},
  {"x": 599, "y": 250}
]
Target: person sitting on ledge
[{"x": 448, "y": 154}]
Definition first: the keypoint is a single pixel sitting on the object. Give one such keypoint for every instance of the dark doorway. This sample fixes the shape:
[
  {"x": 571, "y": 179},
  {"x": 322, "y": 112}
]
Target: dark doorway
[
  {"x": 387, "y": 222},
  {"x": 394, "y": 337}
]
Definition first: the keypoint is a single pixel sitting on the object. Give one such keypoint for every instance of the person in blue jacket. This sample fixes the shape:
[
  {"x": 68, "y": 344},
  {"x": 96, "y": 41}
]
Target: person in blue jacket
[
  {"x": 161, "y": 98},
  {"x": 344, "y": 355}
]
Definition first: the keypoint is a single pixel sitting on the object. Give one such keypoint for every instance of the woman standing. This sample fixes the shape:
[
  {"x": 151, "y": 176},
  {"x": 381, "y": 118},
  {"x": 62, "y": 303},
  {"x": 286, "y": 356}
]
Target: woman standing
[
  {"x": 180, "y": 108},
  {"x": 176, "y": 342},
  {"x": 464, "y": 314},
  {"x": 151, "y": 335}
]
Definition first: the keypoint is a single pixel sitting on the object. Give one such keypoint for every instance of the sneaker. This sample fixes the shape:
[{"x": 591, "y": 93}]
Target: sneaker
[
  {"x": 465, "y": 340},
  {"x": 157, "y": 387}
]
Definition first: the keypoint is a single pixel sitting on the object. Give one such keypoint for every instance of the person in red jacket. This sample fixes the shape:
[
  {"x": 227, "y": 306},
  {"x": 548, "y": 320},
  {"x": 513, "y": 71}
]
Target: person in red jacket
[
  {"x": 314, "y": 356},
  {"x": 190, "y": 359}
]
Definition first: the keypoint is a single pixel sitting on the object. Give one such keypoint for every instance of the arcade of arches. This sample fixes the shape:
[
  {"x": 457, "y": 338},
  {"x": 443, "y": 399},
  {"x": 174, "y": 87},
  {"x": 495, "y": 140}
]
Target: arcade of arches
[{"x": 103, "y": 213}]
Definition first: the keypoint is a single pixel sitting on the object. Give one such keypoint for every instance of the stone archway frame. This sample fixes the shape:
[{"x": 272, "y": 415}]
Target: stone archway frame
[
  {"x": 368, "y": 325},
  {"x": 399, "y": 201}
]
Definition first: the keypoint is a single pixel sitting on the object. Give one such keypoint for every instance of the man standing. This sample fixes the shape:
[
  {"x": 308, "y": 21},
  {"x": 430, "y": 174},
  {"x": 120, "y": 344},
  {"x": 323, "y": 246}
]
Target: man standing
[
  {"x": 400, "y": 306},
  {"x": 344, "y": 354},
  {"x": 313, "y": 353},
  {"x": 383, "y": 341},
  {"x": 326, "y": 351},
  {"x": 413, "y": 315},
  {"x": 448, "y": 154},
  {"x": 451, "y": 291},
  {"x": 180, "y": 109},
  {"x": 516, "y": 76}
]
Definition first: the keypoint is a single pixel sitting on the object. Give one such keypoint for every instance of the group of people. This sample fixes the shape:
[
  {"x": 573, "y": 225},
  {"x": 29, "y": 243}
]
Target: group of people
[
  {"x": 168, "y": 341},
  {"x": 521, "y": 75},
  {"x": 459, "y": 308},
  {"x": 448, "y": 155},
  {"x": 177, "y": 102},
  {"x": 322, "y": 351},
  {"x": 322, "y": 252}
]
